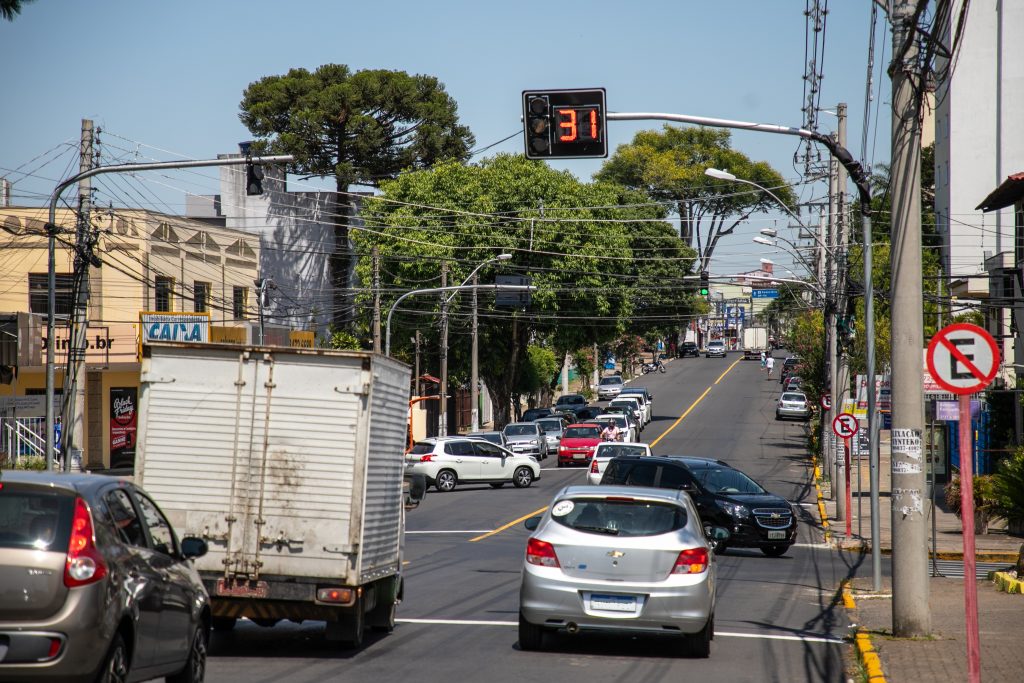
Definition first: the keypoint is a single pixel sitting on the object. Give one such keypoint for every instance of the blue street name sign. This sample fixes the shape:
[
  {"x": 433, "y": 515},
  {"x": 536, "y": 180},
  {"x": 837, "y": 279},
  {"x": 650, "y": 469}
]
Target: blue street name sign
[{"x": 764, "y": 293}]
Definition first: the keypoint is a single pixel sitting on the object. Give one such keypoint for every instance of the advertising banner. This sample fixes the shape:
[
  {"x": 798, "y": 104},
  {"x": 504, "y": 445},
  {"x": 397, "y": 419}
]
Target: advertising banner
[{"x": 124, "y": 420}]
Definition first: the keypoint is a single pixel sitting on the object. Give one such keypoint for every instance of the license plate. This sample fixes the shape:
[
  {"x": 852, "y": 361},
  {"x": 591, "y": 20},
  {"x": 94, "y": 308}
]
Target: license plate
[
  {"x": 772, "y": 535},
  {"x": 613, "y": 603},
  {"x": 243, "y": 589},
  {"x": 579, "y": 456}
]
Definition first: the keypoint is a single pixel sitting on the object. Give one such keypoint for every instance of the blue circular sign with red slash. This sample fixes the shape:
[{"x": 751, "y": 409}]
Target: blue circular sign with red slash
[{"x": 963, "y": 358}]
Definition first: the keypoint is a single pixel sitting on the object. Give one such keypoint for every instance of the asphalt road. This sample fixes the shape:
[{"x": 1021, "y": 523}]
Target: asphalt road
[{"x": 778, "y": 619}]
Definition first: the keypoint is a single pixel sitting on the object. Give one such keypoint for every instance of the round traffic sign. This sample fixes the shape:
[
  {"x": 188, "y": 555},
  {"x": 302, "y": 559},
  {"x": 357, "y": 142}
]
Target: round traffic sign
[
  {"x": 963, "y": 358},
  {"x": 826, "y": 402},
  {"x": 845, "y": 425}
]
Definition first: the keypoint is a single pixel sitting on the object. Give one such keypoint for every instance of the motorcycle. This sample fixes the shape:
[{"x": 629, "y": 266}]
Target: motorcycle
[{"x": 654, "y": 366}]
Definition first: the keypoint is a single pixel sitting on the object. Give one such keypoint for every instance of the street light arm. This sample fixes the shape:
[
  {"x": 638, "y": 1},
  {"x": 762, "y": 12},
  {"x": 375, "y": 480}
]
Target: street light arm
[
  {"x": 499, "y": 257},
  {"x": 438, "y": 290}
]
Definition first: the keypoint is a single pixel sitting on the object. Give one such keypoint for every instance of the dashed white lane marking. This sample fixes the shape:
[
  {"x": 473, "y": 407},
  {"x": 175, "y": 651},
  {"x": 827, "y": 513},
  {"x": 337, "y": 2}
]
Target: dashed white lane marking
[{"x": 718, "y": 634}]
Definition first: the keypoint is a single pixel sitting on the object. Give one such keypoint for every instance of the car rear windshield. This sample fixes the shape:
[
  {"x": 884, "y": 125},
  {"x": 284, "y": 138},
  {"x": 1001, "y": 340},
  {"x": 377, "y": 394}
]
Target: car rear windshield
[
  {"x": 582, "y": 433},
  {"x": 614, "y": 450},
  {"x": 574, "y": 399},
  {"x": 35, "y": 520},
  {"x": 611, "y": 380},
  {"x": 520, "y": 430},
  {"x": 550, "y": 425},
  {"x": 493, "y": 437},
  {"x": 422, "y": 448},
  {"x": 727, "y": 480},
  {"x": 618, "y": 516},
  {"x": 794, "y": 397}
]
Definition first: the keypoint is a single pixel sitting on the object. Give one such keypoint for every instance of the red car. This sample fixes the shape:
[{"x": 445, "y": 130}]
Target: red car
[{"x": 578, "y": 444}]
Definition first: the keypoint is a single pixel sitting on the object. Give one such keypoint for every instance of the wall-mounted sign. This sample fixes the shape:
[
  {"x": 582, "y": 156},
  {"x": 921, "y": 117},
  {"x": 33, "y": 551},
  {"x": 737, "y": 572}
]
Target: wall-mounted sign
[
  {"x": 124, "y": 417},
  {"x": 181, "y": 327}
]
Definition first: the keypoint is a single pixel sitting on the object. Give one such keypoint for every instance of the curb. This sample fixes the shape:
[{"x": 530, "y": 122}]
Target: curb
[
  {"x": 866, "y": 654},
  {"x": 1007, "y": 583}
]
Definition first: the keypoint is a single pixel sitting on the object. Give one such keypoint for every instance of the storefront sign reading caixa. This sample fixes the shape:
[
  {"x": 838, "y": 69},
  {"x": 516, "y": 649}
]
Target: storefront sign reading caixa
[{"x": 186, "y": 327}]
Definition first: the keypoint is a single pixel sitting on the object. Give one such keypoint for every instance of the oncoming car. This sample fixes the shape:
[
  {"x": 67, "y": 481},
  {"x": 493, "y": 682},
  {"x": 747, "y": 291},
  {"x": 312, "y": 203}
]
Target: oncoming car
[{"x": 614, "y": 557}]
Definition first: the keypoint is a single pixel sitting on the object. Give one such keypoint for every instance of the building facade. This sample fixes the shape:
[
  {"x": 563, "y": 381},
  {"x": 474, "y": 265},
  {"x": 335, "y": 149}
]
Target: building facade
[{"x": 151, "y": 263}]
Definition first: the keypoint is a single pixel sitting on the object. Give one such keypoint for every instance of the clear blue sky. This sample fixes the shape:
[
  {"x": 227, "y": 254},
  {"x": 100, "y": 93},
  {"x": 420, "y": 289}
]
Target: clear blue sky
[{"x": 170, "y": 75}]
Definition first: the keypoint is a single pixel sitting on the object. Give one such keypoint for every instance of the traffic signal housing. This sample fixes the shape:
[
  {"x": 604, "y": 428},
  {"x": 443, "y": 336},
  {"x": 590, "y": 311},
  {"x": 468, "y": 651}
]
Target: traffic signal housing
[
  {"x": 567, "y": 124},
  {"x": 705, "y": 289},
  {"x": 253, "y": 179}
]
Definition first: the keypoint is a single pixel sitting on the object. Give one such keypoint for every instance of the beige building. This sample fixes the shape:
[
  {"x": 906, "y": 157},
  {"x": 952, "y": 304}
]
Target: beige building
[{"x": 150, "y": 263}]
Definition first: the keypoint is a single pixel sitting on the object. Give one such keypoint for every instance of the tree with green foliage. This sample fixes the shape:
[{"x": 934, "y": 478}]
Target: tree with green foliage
[
  {"x": 361, "y": 128},
  {"x": 669, "y": 166},
  {"x": 11, "y": 8},
  {"x": 571, "y": 238}
]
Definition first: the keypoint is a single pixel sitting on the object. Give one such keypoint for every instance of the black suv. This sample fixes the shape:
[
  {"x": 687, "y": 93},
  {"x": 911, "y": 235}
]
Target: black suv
[
  {"x": 724, "y": 497},
  {"x": 537, "y": 413},
  {"x": 688, "y": 348}
]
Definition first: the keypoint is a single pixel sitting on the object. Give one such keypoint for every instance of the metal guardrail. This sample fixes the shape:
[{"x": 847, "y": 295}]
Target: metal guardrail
[{"x": 23, "y": 437}]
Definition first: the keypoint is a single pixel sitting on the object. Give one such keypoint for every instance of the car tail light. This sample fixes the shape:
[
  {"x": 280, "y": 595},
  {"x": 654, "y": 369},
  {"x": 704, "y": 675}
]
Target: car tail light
[
  {"x": 84, "y": 565},
  {"x": 593, "y": 467},
  {"x": 541, "y": 553},
  {"x": 692, "y": 561},
  {"x": 427, "y": 458}
]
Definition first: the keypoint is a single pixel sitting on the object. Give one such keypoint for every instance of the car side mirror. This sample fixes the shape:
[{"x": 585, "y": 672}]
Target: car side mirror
[
  {"x": 193, "y": 547},
  {"x": 415, "y": 486},
  {"x": 532, "y": 523}
]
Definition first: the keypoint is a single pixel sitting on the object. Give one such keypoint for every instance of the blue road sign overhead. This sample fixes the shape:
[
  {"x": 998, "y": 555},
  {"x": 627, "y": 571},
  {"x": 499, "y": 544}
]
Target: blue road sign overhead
[{"x": 764, "y": 293}]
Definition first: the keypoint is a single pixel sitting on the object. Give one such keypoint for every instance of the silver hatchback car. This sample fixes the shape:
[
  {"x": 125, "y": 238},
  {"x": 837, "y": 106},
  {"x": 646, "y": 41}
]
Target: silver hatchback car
[{"x": 620, "y": 558}]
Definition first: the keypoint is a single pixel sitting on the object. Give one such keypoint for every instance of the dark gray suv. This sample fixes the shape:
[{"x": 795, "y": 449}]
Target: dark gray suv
[{"x": 94, "y": 584}]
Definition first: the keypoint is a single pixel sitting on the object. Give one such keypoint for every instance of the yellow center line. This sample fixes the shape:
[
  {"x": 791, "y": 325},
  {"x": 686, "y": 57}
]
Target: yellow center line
[
  {"x": 694, "y": 404},
  {"x": 653, "y": 443},
  {"x": 510, "y": 524}
]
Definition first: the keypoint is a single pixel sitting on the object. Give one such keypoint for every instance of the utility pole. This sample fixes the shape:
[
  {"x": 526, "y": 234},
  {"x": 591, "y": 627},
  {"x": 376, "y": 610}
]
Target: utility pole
[
  {"x": 416, "y": 343},
  {"x": 474, "y": 371},
  {"x": 376, "y": 300},
  {"x": 442, "y": 418},
  {"x": 72, "y": 429},
  {"x": 831, "y": 304},
  {"x": 843, "y": 242},
  {"x": 910, "y": 614}
]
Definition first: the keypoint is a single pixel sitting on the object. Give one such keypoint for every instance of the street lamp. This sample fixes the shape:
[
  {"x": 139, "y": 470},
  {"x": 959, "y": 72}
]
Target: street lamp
[{"x": 474, "y": 391}]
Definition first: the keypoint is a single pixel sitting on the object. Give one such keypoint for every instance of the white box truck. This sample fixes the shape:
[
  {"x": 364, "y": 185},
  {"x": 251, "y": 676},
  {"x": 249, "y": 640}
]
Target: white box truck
[
  {"x": 290, "y": 463},
  {"x": 755, "y": 340}
]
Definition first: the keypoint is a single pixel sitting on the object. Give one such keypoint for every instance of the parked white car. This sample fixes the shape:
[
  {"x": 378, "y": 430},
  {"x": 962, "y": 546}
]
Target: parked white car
[
  {"x": 449, "y": 461},
  {"x": 607, "y": 450}
]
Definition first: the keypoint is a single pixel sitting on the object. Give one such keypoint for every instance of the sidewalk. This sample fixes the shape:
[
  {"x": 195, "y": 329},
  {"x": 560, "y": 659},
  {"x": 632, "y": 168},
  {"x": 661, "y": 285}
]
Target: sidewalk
[{"x": 944, "y": 655}]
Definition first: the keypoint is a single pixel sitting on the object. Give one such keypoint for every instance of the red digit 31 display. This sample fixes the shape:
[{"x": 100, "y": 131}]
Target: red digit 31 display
[{"x": 567, "y": 124}]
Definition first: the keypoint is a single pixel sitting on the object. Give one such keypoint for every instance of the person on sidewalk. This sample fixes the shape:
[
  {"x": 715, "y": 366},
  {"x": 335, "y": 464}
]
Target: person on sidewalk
[{"x": 770, "y": 365}]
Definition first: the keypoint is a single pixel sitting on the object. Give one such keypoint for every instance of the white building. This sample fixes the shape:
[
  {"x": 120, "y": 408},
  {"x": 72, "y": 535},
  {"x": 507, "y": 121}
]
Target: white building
[
  {"x": 297, "y": 239},
  {"x": 978, "y": 141}
]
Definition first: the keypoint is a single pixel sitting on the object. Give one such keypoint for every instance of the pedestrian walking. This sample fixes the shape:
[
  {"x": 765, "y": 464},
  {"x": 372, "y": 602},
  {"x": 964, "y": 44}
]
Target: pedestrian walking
[
  {"x": 770, "y": 364},
  {"x": 763, "y": 359}
]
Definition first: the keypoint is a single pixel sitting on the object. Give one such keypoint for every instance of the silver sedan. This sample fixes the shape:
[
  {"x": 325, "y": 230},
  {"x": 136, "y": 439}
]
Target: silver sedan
[{"x": 620, "y": 558}]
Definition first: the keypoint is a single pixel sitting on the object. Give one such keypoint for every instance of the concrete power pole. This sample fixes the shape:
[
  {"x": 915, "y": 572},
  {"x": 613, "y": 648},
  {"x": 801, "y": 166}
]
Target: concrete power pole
[
  {"x": 474, "y": 370},
  {"x": 376, "y": 300},
  {"x": 842, "y": 239},
  {"x": 831, "y": 304},
  {"x": 73, "y": 429},
  {"x": 910, "y": 614},
  {"x": 442, "y": 416}
]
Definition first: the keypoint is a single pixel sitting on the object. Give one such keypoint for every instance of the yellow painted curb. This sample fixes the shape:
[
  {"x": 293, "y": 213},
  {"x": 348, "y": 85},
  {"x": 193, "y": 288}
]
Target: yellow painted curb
[
  {"x": 1007, "y": 583},
  {"x": 869, "y": 658},
  {"x": 848, "y": 602}
]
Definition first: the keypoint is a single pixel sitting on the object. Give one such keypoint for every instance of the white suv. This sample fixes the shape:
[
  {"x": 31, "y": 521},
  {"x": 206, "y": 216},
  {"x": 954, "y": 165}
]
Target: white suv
[{"x": 449, "y": 461}]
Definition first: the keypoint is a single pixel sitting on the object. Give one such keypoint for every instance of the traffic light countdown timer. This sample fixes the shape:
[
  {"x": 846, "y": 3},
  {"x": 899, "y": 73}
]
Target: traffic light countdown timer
[{"x": 565, "y": 124}]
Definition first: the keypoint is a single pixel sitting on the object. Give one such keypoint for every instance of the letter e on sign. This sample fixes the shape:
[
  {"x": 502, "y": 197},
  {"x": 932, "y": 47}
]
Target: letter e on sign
[{"x": 963, "y": 358}]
